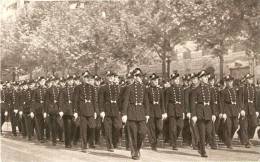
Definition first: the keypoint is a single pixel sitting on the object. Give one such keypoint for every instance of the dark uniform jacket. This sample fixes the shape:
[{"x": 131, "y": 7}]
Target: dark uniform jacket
[
  {"x": 136, "y": 103},
  {"x": 26, "y": 101},
  {"x": 156, "y": 101},
  {"x": 5, "y": 100},
  {"x": 216, "y": 100},
  {"x": 67, "y": 100},
  {"x": 39, "y": 100},
  {"x": 202, "y": 100},
  {"x": 109, "y": 100},
  {"x": 96, "y": 94},
  {"x": 230, "y": 102},
  {"x": 187, "y": 91},
  {"x": 85, "y": 100},
  {"x": 174, "y": 101},
  {"x": 248, "y": 95},
  {"x": 52, "y": 99},
  {"x": 258, "y": 99},
  {"x": 15, "y": 100}
]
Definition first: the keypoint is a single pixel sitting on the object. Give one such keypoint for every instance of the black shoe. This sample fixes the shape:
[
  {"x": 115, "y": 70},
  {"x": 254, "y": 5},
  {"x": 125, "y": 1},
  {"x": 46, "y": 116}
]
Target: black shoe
[
  {"x": 92, "y": 146},
  {"x": 195, "y": 147},
  {"x": 110, "y": 150},
  {"x": 54, "y": 144},
  {"x": 42, "y": 141},
  {"x": 204, "y": 155},
  {"x": 29, "y": 139},
  {"x": 68, "y": 146},
  {"x": 214, "y": 147},
  {"x": 247, "y": 145},
  {"x": 174, "y": 148},
  {"x": 230, "y": 147},
  {"x": 154, "y": 148},
  {"x": 75, "y": 143},
  {"x": 135, "y": 157}
]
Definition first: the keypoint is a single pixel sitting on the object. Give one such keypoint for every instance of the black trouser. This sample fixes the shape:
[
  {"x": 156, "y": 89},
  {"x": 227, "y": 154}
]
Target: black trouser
[
  {"x": 97, "y": 131},
  {"x": 194, "y": 134},
  {"x": 21, "y": 120},
  {"x": 3, "y": 117},
  {"x": 112, "y": 130},
  {"x": 87, "y": 124},
  {"x": 28, "y": 125},
  {"x": 60, "y": 128},
  {"x": 166, "y": 130},
  {"x": 248, "y": 125},
  {"x": 136, "y": 134},
  {"x": 39, "y": 124},
  {"x": 230, "y": 127},
  {"x": 186, "y": 133},
  {"x": 67, "y": 129},
  {"x": 155, "y": 126},
  {"x": 47, "y": 128},
  {"x": 205, "y": 129},
  {"x": 75, "y": 131},
  {"x": 126, "y": 137},
  {"x": 14, "y": 121},
  {"x": 213, "y": 141},
  {"x": 54, "y": 126},
  {"x": 175, "y": 128}
]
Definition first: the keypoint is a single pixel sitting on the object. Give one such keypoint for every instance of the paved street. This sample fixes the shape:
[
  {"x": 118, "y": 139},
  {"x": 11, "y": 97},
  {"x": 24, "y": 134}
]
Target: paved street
[{"x": 20, "y": 150}]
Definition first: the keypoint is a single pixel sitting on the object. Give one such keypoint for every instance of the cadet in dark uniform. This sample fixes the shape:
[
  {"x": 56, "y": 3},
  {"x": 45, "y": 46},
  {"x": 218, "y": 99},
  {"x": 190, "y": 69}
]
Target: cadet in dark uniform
[
  {"x": 67, "y": 108},
  {"x": 157, "y": 111},
  {"x": 86, "y": 109},
  {"x": 248, "y": 118},
  {"x": 231, "y": 109},
  {"x": 52, "y": 105},
  {"x": 202, "y": 101},
  {"x": 174, "y": 103},
  {"x": 109, "y": 103},
  {"x": 15, "y": 105},
  {"x": 5, "y": 101},
  {"x": 136, "y": 113}
]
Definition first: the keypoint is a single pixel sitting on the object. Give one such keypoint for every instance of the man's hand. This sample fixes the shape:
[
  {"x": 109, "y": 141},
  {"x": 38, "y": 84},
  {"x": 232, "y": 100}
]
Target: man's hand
[
  {"x": 32, "y": 115},
  {"x": 45, "y": 115},
  {"x": 124, "y": 118},
  {"x": 164, "y": 116},
  {"x": 95, "y": 115},
  {"x": 194, "y": 119},
  {"x": 6, "y": 113},
  {"x": 242, "y": 113},
  {"x": 15, "y": 111},
  {"x": 61, "y": 114},
  {"x": 257, "y": 114},
  {"x": 76, "y": 115},
  {"x": 225, "y": 117},
  {"x": 220, "y": 115},
  {"x": 188, "y": 115},
  {"x": 147, "y": 118},
  {"x": 20, "y": 113},
  {"x": 213, "y": 118},
  {"x": 102, "y": 114}
]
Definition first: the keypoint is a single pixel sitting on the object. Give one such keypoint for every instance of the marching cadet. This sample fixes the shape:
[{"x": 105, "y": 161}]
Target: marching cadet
[
  {"x": 202, "y": 110},
  {"x": 15, "y": 105},
  {"x": 136, "y": 113},
  {"x": 174, "y": 103},
  {"x": 85, "y": 108},
  {"x": 186, "y": 134},
  {"x": 248, "y": 114},
  {"x": 216, "y": 107},
  {"x": 52, "y": 106},
  {"x": 231, "y": 109},
  {"x": 97, "y": 82},
  {"x": 157, "y": 111},
  {"x": 38, "y": 109},
  {"x": 66, "y": 106},
  {"x": 109, "y": 103},
  {"x": 5, "y": 102}
]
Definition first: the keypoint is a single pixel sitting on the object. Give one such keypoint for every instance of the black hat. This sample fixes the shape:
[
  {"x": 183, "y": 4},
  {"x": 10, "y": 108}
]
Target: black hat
[
  {"x": 110, "y": 73},
  {"x": 212, "y": 76},
  {"x": 97, "y": 78},
  {"x": 248, "y": 76},
  {"x": 193, "y": 75},
  {"x": 154, "y": 76},
  {"x": 129, "y": 75},
  {"x": 137, "y": 72},
  {"x": 228, "y": 78},
  {"x": 202, "y": 73},
  {"x": 86, "y": 74},
  {"x": 69, "y": 77},
  {"x": 40, "y": 78},
  {"x": 174, "y": 75}
]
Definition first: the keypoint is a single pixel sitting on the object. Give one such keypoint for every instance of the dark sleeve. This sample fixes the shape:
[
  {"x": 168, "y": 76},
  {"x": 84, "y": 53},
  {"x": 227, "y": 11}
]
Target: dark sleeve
[
  {"x": 126, "y": 100},
  {"x": 258, "y": 100},
  {"x": 194, "y": 101},
  {"x": 241, "y": 97},
  {"x": 186, "y": 100},
  {"x": 61, "y": 99},
  {"x": 76, "y": 99},
  {"x": 94, "y": 99},
  {"x": 146, "y": 102},
  {"x": 212, "y": 101},
  {"x": 221, "y": 101},
  {"x": 101, "y": 99},
  {"x": 162, "y": 101}
]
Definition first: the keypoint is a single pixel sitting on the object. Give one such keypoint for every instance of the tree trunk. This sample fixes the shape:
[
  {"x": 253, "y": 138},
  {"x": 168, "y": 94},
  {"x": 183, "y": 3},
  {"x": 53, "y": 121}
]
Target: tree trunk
[
  {"x": 221, "y": 66},
  {"x": 168, "y": 68},
  {"x": 164, "y": 75},
  {"x": 96, "y": 68}
]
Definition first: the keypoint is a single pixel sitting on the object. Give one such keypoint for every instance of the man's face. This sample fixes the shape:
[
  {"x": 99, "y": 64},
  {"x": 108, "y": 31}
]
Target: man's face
[
  {"x": 91, "y": 81},
  {"x": 116, "y": 80},
  {"x": 42, "y": 82},
  {"x": 15, "y": 87},
  {"x": 155, "y": 82},
  {"x": 77, "y": 82},
  {"x": 97, "y": 82},
  {"x": 229, "y": 83},
  {"x": 110, "y": 78},
  {"x": 205, "y": 79},
  {"x": 138, "y": 79},
  {"x": 32, "y": 85},
  {"x": 70, "y": 82},
  {"x": 176, "y": 81},
  {"x": 212, "y": 82},
  {"x": 25, "y": 87},
  {"x": 8, "y": 85},
  {"x": 250, "y": 80}
]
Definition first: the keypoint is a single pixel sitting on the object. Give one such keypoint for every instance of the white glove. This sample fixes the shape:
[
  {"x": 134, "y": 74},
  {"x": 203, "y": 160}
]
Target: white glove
[
  {"x": 213, "y": 118},
  {"x": 15, "y": 111},
  {"x": 188, "y": 115},
  {"x": 238, "y": 115},
  {"x": 225, "y": 117},
  {"x": 32, "y": 115},
  {"x": 6, "y": 113},
  {"x": 124, "y": 119},
  {"x": 164, "y": 116},
  {"x": 20, "y": 113},
  {"x": 45, "y": 115},
  {"x": 220, "y": 115},
  {"x": 76, "y": 115},
  {"x": 95, "y": 115},
  {"x": 243, "y": 113},
  {"x": 61, "y": 114},
  {"x": 102, "y": 114},
  {"x": 194, "y": 119},
  {"x": 147, "y": 118},
  {"x": 257, "y": 114},
  {"x": 183, "y": 116}
]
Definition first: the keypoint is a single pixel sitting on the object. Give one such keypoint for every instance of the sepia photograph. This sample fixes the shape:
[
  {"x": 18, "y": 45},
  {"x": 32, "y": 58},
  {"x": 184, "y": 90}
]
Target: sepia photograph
[{"x": 130, "y": 80}]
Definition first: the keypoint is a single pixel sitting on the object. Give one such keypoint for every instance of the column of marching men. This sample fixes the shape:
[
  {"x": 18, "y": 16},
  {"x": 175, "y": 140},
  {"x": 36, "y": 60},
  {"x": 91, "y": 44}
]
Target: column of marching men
[{"x": 81, "y": 108}]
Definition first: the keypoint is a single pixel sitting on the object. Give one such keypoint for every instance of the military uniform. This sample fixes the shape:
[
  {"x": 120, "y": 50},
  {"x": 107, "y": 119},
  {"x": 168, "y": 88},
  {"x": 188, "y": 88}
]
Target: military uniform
[
  {"x": 5, "y": 105},
  {"x": 174, "y": 103},
  {"x": 15, "y": 106},
  {"x": 52, "y": 106},
  {"x": 109, "y": 102},
  {"x": 85, "y": 107},
  {"x": 136, "y": 108}
]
